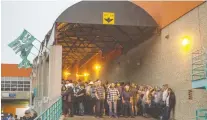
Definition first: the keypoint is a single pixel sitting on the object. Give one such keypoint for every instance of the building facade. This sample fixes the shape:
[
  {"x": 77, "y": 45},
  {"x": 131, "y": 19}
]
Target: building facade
[{"x": 15, "y": 89}]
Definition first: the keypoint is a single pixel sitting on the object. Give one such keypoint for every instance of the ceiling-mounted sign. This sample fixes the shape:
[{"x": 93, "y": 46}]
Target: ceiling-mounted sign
[{"x": 108, "y": 18}]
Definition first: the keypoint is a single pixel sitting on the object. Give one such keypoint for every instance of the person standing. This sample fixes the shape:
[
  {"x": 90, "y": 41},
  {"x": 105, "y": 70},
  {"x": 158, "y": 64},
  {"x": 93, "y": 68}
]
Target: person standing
[
  {"x": 63, "y": 90},
  {"x": 10, "y": 117},
  {"x": 170, "y": 104},
  {"x": 87, "y": 102},
  {"x": 100, "y": 96},
  {"x": 134, "y": 92},
  {"x": 92, "y": 98},
  {"x": 157, "y": 102},
  {"x": 164, "y": 98},
  {"x": 119, "y": 102},
  {"x": 76, "y": 89},
  {"x": 69, "y": 95},
  {"x": 27, "y": 115},
  {"x": 112, "y": 97},
  {"x": 81, "y": 97},
  {"x": 127, "y": 101}
]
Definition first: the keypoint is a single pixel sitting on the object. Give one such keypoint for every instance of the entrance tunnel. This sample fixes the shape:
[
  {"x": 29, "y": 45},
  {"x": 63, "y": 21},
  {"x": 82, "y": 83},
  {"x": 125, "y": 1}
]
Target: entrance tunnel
[{"x": 147, "y": 43}]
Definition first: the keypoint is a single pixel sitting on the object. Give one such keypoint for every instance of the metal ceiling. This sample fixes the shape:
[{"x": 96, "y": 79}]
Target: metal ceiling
[{"x": 82, "y": 41}]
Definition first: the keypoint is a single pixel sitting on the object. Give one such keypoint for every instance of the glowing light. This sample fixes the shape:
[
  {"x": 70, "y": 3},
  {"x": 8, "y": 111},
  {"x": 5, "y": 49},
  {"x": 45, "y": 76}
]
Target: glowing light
[
  {"x": 185, "y": 42},
  {"x": 86, "y": 74},
  {"x": 66, "y": 73},
  {"x": 97, "y": 67}
]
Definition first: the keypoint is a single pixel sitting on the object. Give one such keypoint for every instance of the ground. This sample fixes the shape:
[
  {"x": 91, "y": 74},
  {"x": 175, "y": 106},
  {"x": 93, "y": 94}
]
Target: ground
[{"x": 105, "y": 118}]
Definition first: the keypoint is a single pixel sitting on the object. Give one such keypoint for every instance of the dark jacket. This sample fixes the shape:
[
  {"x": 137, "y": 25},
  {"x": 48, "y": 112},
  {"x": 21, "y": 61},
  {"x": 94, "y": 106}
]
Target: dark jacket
[
  {"x": 69, "y": 94},
  {"x": 24, "y": 118},
  {"x": 172, "y": 100}
]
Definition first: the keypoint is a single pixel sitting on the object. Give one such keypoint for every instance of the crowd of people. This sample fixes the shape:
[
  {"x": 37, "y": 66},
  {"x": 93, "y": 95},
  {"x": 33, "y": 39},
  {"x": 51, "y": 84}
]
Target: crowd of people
[
  {"x": 117, "y": 99},
  {"x": 28, "y": 115}
]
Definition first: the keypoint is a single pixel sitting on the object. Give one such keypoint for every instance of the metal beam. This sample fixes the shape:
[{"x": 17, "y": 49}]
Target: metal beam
[
  {"x": 71, "y": 49},
  {"x": 123, "y": 32}
]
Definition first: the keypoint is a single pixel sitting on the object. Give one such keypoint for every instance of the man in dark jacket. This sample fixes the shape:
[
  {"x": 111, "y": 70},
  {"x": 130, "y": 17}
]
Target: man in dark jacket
[
  {"x": 69, "y": 95},
  {"x": 27, "y": 115},
  {"x": 170, "y": 104}
]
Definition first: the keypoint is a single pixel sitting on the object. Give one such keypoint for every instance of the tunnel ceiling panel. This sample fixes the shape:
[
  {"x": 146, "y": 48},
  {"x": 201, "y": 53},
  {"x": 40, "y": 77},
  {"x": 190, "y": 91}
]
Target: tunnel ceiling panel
[
  {"x": 82, "y": 34},
  {"x": 91, "y": 12}
]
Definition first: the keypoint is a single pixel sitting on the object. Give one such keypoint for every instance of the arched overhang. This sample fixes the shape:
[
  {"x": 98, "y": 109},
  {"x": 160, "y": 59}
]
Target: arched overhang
[
  {"x": 81, "y": 32},
  {"x": 90, "y": 12}
]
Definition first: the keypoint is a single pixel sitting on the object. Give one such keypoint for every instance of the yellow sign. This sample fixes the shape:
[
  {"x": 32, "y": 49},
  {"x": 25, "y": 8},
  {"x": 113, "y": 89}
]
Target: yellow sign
[{"x": 108, "y": 18}]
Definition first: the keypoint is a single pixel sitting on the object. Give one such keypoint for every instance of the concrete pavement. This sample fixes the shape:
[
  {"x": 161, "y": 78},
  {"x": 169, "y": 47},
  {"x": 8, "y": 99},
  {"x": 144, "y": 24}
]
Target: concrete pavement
[{"x": 105, "y": 118}]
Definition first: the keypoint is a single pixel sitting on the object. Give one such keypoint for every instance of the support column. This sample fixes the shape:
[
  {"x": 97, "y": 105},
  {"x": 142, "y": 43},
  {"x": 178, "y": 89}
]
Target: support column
[{"x": 55, "y": 72}]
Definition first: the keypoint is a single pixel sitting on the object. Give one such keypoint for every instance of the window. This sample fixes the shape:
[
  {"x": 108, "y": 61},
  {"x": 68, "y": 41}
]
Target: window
[
  {"x": 20, "y": 85},
  {"x": 15, "y": 84},
  {"x": 7, "y": 85},
  {"x": 20, "y": 82},
  {"x": 26, "y": 82},
  {"x": 20, "y": 89},
  {"x": 7, "y": 82},
  {"x": 13, "y": 89},
  {"x": 7, "y": 89},
  {"x": 26, "y": 89},
  {"x": 27, "y": 86}
]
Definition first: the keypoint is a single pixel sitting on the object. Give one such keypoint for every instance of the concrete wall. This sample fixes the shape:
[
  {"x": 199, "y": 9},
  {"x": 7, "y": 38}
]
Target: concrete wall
[
  {"x": 55, "y": 73},
  {"x": 161, "y": 60},
  {"x": 49, "y": 77}
]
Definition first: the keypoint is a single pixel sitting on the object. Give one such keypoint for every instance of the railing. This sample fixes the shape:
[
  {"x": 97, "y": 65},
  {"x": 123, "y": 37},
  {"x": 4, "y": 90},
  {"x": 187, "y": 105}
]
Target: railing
[
  {"x": 54, "y": 112},
  {"x": 199, "y": 65},
  {"x": 201, "y": 114}
]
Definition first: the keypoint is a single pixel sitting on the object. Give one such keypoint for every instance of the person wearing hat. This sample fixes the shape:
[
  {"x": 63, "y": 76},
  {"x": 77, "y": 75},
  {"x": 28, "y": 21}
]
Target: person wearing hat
[{"x": 27, "y": 115}]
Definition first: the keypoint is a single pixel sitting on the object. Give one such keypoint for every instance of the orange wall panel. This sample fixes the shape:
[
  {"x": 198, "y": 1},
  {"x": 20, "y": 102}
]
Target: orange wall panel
[
  {"x": 12, "y": 70},
  {"x": 11, "y": 108},
  {"x": 165, "y": 12}
]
